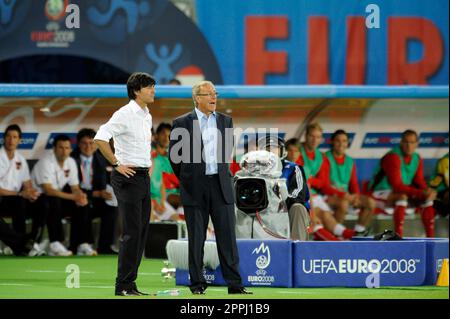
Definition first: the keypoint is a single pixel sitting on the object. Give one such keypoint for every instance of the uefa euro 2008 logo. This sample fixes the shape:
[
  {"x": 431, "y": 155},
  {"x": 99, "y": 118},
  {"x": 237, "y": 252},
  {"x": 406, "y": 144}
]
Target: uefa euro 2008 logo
[
  {"x": 56, "y": 9},
  {"x": 263, "y": 260}
]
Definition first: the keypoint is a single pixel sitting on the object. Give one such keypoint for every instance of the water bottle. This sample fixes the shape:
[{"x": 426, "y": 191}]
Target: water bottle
[{"x": 169, "y": 292}]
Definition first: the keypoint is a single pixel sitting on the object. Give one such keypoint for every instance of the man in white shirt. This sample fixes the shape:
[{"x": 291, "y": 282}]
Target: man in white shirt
[
  {"x": 56, "y": 176},
  {"x": 15, "y": 184},
  {"x": 93, "y": 175},
  {"x": 130, "y": 128}
]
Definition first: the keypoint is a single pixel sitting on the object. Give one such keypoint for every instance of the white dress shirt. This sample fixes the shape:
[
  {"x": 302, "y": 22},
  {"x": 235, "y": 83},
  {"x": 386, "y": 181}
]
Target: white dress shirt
[
  {"x": 131, "y": 129},
  {"x": 13, "y": 173},
  {"x": 208, "y": 127},
  {"x": 48, "y": 171},
  {"x": 87, "y": 173}
]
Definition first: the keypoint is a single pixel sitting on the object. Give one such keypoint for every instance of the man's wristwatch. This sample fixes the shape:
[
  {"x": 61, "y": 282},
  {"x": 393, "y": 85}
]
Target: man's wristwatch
[{"x": 116, "y": 164}]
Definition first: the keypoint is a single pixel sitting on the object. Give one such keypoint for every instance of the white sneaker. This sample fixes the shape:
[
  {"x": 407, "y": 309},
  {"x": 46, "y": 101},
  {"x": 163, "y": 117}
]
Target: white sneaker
[
  {"x": 86, "y": 250},
  {"x": 114, "y": 248},
  {"x": 7, "y": 251},
  {"x": 58, "y": 249},
  {"x": 37, "y": 250}
]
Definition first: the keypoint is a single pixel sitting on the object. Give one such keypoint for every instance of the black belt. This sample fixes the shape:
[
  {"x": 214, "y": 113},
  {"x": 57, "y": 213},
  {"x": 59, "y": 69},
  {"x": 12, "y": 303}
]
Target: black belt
[
  {"x": 140, "y": 170},
  {"x": 211, "y": 176}
]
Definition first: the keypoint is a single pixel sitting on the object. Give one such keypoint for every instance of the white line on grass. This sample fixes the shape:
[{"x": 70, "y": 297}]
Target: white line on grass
[
  {"x": 289, "y": 292},
  {"x": 13, "y": 284}
]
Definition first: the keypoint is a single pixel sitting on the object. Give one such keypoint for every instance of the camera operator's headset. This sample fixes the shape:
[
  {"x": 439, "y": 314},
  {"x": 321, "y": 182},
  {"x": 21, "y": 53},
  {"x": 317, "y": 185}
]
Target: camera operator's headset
[{"x": 265, "y": 143}]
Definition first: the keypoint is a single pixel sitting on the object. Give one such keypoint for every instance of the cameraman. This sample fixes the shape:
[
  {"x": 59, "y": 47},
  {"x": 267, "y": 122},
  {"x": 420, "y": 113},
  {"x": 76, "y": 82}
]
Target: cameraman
[{"x": 298, "y": 197}]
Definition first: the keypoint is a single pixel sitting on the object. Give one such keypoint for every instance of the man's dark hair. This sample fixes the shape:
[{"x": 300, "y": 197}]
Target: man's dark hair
[
  {"x": 337, "y": 133},
  {"x": 60, "y": 138},
  {"x": 163, "y": 126},
  {"x": 13, "y": 127},
  {"x": 85, "y": 132},
  {"x": 137, "y": 81},
  {"x": 292, "y": 141},
  {"x": 409, "y": 132},
  {"x": 175, "y": 81}
]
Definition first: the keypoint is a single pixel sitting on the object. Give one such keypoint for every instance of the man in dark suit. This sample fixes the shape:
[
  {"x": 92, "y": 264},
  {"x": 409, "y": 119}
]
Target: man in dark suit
[
  {"x": 200, "y": 150},
  {"x": 93, "y": 178}
]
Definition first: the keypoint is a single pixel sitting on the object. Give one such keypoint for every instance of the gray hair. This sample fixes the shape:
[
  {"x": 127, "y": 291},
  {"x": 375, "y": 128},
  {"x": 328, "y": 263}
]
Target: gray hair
[{"x": 197, "y": 87}]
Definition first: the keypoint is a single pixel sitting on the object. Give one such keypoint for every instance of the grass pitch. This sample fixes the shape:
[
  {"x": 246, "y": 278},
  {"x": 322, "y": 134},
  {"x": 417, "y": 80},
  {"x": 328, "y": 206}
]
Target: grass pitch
[{"x": 45, "y": 278}]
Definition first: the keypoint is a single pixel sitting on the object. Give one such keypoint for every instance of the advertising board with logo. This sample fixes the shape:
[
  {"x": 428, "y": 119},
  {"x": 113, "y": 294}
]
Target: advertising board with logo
[
  {"x": 262, "y": 263},
  {"x": 355, "y": 264}
]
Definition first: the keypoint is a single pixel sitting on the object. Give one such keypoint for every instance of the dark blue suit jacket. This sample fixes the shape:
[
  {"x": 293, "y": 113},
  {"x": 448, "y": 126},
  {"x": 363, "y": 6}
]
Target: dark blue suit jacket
[{"x": 191, "y": 169}]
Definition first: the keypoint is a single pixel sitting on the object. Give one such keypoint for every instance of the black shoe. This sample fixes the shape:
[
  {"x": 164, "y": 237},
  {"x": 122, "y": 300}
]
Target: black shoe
[
  {"x": 364, "y": 233},
  {"x": 239, "y": 290},
  {"x": 135, "y": 289},
  {"x": 106, "y": 252},
  {"x": 198, "y": 291},
  {"x": 140, "y": 293},
  {"x": 126, "y": 293}
]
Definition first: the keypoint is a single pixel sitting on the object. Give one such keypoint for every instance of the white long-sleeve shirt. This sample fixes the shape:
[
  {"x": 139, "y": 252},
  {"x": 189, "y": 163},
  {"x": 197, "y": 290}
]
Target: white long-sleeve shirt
[{"x": 131, "y": 129}]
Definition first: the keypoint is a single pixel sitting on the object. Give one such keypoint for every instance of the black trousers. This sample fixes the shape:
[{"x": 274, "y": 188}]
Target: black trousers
[
  {"x": 224, "y": 221},
  {"x": 12, "y": 239},
  {"x": 108, "y": 217},
  {"x": 16, "y": 207},
  {"x": 133, "y": 197},
  {"x": 54, "y": 209}
]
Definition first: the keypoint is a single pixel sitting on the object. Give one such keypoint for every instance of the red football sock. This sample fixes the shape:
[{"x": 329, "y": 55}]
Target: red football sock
[
  {"x": 428, "y": 220},
  {"x": 348, "y": 233},
  {"x": 399, "y": 217},
  {"x": 322, "y": 234}
]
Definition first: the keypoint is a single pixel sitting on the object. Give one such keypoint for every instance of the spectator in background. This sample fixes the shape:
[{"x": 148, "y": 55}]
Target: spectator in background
[
  {"x": 345, "y": 183},
  {"x": 439, "y": 182},
  {"x": 93, "y": 178},
  {"x": 293, "y": 150},
  {"x": 16, "y": 189},
  {"x": 165, "y": 191},
  {"x": 399, "y": 180},
  {"x": 317, "y": 170},
  {"x": 56, "y": 176}
]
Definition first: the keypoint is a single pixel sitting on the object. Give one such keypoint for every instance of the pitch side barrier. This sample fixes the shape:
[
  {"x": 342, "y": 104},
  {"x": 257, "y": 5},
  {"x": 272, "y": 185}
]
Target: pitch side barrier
[
  {"x": 358, "y": 263},
  {"x": 229, "y": 91}
]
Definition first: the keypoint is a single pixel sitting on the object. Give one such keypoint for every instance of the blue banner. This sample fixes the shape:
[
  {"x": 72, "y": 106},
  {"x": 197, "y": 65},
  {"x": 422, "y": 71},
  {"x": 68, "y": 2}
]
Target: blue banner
[
  {"x": 265, "y": 263},
  {"x": 437, "y": 251},
  {"x": 328, "y": 41},
  {"x": 390, "y": 140},
  {"x": 430, "y": 140},
  {"x": 27, "y": 141},
  {"x": 360, "y": 264}
]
